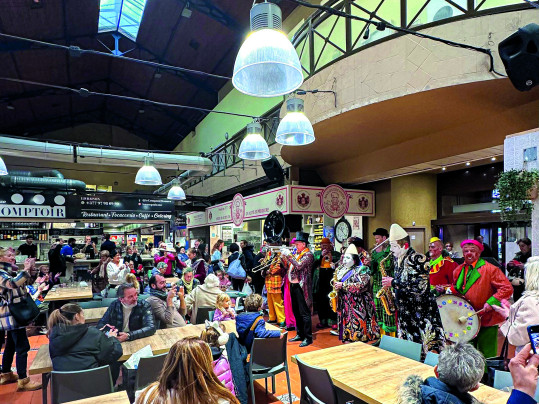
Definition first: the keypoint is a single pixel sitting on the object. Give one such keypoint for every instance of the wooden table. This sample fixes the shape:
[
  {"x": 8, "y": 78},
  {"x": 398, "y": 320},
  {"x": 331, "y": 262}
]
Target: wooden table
[
  {"x": 172, "y": 280},
  {"x": 113, "y": 398},
  {"x": 94, "y": 315},
  {"x": 373, "y": 374},
  {"x": 69, "y": 293}
]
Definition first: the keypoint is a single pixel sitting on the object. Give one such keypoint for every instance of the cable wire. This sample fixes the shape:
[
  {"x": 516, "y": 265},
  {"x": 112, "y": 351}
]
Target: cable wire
[
  {"x": 382, "y": 25},
  {"x": 77, "y": 51},
  {"x": 83, "y": 92}
]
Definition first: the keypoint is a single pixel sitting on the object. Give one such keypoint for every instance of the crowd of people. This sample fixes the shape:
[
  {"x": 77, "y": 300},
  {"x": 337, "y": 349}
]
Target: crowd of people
[{"x": 359, "y": 294}]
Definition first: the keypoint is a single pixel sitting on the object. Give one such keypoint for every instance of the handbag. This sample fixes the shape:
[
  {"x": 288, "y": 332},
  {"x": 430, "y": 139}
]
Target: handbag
[
  {"x": 24, "y": 311},
  {"x": 235, "y": 270}
]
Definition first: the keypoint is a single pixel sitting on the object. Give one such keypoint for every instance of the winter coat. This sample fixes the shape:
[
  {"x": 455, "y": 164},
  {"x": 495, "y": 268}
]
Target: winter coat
[
  {"x": 203, "y": 296},
  {"x": 431, "y": 391},
  {"x": 199, "y": 269},
  {"x": 141, "y": 321},
  {"x": 79, "y": 347},
  {"x": 221, "y": 368},
  {"x": 248, "y": 253},
  {"x": 237, "y": 359},
  {"x": 244, "y": 323},
  {"x": 12, "y": 290},
  {"x": 523, "y": 313}
]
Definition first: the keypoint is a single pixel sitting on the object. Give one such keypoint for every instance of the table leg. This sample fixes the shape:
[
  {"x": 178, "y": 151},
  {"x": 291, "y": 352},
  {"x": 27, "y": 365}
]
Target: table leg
[{"x": 44, "y": 381}]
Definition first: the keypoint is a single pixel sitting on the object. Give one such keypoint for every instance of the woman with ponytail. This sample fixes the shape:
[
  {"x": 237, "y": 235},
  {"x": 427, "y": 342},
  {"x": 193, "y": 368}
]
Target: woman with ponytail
[{"x": 75, "y": 346}]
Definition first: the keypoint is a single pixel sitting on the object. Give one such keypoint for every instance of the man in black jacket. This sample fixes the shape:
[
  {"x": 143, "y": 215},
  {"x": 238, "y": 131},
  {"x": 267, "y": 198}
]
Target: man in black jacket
[
  {"x": 132, "y": 318},
  {"x": 108, "y": 245}
]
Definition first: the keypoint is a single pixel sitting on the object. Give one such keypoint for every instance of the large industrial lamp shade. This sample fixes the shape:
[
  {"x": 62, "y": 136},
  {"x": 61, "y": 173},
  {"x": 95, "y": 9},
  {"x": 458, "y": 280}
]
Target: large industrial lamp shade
[
  {"x": 253, "y": 146},
  {"x": 148, "y": 174},
  {"x": 295, "y": 129},
  {"x": 176, "y": 193},
  {"x": 267, "y": 65},
  {"x": 3, "y": 168}
]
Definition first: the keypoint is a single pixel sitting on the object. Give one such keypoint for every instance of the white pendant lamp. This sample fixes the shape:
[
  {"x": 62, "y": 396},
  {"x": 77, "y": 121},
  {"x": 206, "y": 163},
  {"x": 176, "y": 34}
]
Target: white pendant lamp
[
  {"x": 148, "y": 174},
  {"x": 253, "y": 146},
  {"x": 176, "y": 193},
  {"x": 267, "y": 64},
  {"x": 295, "y": 129},
  {"x": 3, "y": 168}
]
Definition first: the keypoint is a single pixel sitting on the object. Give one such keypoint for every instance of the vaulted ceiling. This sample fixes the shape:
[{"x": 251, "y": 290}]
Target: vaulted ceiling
[{"x": 208, "y": 41}]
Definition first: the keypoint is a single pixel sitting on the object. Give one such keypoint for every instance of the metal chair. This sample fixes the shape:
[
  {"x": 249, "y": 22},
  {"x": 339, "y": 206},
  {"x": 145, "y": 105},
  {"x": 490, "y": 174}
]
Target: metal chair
[
  {"x": 431, "y": 359},
  {"x": 203, "y": 314},
  {"x": 318, "y": 382},
  {"x": 408, "y": 349},
  {"x": 502, "y": 380},
  {"x": 310, "y": 398},
  {"x": 268, "y": 358},
  {"x": 77, "y": 385},
  {"x": 148, "y": 370}
]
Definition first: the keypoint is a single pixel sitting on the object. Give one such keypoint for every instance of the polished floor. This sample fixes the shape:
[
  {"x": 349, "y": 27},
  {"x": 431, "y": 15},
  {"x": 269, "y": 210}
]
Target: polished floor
[{"x": 322, "y": 339}]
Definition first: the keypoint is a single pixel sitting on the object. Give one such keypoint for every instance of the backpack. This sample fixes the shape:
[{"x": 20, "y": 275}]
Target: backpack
[{"x": 235, "y": 270}]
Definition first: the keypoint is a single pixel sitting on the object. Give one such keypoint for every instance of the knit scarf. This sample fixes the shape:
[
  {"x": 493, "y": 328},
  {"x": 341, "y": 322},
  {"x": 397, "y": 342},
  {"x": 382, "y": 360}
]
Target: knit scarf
[
  {"x": 187, "y": 285},
  {"x": 158, "y": 293}
]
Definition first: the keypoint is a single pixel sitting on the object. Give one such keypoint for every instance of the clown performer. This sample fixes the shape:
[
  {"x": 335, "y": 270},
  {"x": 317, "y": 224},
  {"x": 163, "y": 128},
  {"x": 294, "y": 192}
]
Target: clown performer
[
  {"x": 483, "y": 285},
  {"x": 440, "y": 268},
  {"x": 299, "y": 274},
  {"x": 418, "y": 319},
  {"x": 355, "y": 304},
  {"x": 326, "y": 268},
  {"x": 380, "y": 255}
]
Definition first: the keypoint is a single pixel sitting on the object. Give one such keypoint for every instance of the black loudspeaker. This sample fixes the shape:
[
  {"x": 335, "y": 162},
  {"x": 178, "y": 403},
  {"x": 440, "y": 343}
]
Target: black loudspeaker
[
  {"x": 520, "y": 56},
  {"x": 273, "y": 169}
]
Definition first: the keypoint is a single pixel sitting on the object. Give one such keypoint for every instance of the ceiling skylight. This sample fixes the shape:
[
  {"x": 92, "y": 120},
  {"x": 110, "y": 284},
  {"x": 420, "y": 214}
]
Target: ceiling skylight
[{"x": 123, "y": 16}]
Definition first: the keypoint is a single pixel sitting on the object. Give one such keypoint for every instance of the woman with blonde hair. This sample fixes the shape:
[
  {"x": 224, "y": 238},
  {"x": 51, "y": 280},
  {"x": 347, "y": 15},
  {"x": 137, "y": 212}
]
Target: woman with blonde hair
[
  {"x": 132, "y": 278},
  {"x": 187, "y": 377},
  {"x": 525, "y": 311}
]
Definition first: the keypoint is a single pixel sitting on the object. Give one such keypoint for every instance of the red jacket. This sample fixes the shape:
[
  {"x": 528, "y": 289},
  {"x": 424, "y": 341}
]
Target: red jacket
[
  {"x": 486, "y": 283},
  {"x": 442, "y": 273}
]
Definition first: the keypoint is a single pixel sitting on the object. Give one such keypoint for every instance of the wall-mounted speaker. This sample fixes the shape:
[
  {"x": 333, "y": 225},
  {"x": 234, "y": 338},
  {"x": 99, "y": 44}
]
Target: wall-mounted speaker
[{"x": 273, "y": 169}]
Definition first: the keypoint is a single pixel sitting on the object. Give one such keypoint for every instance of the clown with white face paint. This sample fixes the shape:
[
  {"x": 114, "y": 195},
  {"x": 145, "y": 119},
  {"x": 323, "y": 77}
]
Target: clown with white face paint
[
  {"x": 483, "y": 285},
  {"x": 355, "y": 305},
  {"x": 418, "y": 317}
]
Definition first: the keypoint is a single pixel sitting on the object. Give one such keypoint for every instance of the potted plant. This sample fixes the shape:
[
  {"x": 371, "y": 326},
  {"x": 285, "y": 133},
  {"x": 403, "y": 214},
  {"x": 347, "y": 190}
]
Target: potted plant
[{"x": 517, "y": 188}]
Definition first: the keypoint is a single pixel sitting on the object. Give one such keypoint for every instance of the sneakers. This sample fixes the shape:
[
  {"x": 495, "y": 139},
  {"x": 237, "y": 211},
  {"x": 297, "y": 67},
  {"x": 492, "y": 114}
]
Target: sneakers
[
  {"x": 27, "y": 385},
  {"x": 10, "y": 377},
  {"x": 282, "y": 325},
  {"x": 306, "y": 342},
  {"x": 333, "y": 332}
]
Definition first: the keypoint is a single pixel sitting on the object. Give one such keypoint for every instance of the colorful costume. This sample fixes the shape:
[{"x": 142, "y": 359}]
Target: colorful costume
[
  {"x": 441, "y": 272},
  {"x": 326, "y": 316},
  {"x": 274, "y": 282},
  {"x": 386, "y": 322},
  {"x": 479, "y": 284},
  {"x": 418, "y": 316},
  {"x": 355, "y": 307}
]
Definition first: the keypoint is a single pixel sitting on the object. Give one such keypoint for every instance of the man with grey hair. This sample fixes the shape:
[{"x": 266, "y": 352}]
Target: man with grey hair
[
  {"x": 459, "y": 371},
  {"x": 132, "y": 318}
]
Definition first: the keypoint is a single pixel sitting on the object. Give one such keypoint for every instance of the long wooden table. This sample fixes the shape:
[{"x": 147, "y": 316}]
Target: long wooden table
[
  {"x": 373, "y": 374},
  {"x": 70, "y": 293},
  {"x": 119, "y": 397},
  {"x": 94, "y": 315}
]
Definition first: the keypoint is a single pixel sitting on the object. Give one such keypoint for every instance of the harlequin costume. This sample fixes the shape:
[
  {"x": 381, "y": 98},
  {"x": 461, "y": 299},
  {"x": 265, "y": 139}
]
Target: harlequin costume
[
  {"x": 418, "y": 317},
  {"x": 299, "y": 274},
  {"x": 386, "y": 322},
  {"x": 355, "y": 304},
  {"x": 441, "y": 272},
  {"x": 482, "y": 283},
  {"x": 274, "y": 282}
]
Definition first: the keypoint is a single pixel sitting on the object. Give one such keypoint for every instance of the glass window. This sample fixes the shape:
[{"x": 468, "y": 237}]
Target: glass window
[
  {"x": 495, "y": 3},
  {"x": 123, "y": 16}
]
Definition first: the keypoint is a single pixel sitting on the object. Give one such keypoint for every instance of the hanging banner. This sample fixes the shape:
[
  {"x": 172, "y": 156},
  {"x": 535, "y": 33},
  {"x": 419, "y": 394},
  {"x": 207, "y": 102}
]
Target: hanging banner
[
  {"x": 196, "y": 219},
  {"x": 32, "y": 205}
]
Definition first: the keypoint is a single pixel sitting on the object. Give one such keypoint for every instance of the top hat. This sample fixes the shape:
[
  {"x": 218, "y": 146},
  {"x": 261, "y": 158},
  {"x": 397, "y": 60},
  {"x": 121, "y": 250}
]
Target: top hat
[{"x": 301, "y": 236}]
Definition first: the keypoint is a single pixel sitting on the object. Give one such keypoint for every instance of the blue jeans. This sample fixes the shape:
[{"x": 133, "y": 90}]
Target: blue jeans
[{"x": 16, "y": 342}]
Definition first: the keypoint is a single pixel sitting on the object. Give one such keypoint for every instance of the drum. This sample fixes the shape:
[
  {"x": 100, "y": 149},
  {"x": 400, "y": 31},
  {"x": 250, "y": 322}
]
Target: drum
[{"x": 458, "y": 318}]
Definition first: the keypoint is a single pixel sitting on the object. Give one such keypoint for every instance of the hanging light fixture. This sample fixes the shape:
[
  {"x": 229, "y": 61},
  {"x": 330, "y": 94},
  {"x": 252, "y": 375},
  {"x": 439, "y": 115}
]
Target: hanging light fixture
[
  {"x": 148, "y": 174},
  {"x": 176, "y": 193},
  {"x": 267, "y": 64},
  {"x": 3, "y": 168},
  {"x": 295, "y": 128},
  {"x": 253, "y": 146}
]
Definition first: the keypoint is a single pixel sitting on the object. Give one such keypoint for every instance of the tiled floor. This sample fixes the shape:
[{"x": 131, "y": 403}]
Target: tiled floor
[{"x": 323, "y": 339}]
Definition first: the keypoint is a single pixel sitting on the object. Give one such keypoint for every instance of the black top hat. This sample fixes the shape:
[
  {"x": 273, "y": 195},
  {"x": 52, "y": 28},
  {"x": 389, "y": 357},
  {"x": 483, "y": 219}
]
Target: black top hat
[
  {"x": 380, "y": 231},
  {"x": 301, "y": 236}
]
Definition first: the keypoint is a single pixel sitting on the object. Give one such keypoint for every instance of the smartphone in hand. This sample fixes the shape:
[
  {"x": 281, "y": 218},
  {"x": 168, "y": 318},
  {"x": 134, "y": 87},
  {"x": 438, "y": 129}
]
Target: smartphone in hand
[{"x": 533, "y": 332}]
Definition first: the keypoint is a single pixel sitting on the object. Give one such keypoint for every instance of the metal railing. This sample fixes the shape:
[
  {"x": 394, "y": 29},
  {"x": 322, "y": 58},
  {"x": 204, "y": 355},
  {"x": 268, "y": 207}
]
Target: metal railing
[{"x": 325, "y": 38}]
